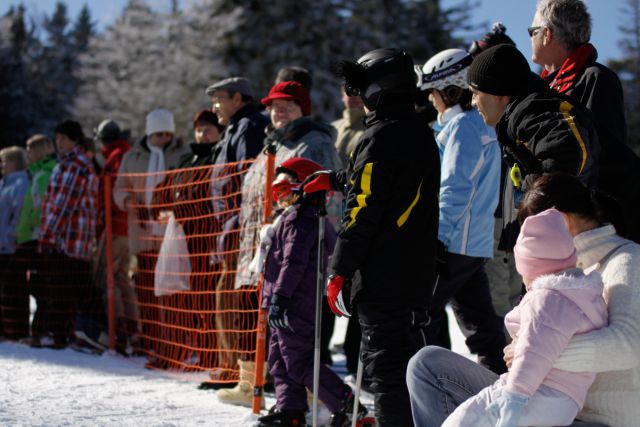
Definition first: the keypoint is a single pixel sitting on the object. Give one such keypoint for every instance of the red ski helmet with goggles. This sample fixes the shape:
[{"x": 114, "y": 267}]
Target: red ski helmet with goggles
[{"x": 299, "y": 169}]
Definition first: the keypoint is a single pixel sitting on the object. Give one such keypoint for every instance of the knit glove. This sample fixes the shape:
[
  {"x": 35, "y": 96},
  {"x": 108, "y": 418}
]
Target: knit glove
[
  {"x": 509, "y": 407},
  {"x": 277, "y": 317}
]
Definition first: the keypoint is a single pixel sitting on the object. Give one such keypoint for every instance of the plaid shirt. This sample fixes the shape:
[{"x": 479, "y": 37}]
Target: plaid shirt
[{"x": 69, "y": 208}]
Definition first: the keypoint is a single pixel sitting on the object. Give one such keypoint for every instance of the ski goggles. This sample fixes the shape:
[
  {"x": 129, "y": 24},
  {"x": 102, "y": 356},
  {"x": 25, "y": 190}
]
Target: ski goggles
[{"x": 284, "y": 189}]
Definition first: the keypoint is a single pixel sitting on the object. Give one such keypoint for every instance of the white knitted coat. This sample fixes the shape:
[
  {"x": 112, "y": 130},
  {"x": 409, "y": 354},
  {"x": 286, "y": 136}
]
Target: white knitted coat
[{"x": 613, "y": 351}]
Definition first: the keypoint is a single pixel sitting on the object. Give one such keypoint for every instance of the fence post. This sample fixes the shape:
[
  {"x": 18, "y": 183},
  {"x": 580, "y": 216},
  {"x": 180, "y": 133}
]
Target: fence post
[
  {"x": 262, "y": 313},
  {"x": 111, "y": 307}
]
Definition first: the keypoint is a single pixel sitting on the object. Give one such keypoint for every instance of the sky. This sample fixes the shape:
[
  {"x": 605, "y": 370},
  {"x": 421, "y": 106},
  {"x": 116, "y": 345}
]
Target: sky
[{"x": 516, "y": 15}]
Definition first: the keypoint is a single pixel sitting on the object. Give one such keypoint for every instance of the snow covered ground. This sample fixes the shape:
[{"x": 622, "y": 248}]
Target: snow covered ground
[{"x": 42, "y": 387}]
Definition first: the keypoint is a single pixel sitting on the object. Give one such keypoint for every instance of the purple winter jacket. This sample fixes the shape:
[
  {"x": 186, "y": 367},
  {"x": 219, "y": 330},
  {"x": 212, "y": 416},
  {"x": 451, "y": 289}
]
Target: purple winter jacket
[{"x": 291, "y": 264}]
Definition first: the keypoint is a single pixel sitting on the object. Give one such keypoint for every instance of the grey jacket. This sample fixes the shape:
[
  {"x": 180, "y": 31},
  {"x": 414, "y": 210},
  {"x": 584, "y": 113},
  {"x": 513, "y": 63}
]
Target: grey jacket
[{"x": 300, "y": 138}]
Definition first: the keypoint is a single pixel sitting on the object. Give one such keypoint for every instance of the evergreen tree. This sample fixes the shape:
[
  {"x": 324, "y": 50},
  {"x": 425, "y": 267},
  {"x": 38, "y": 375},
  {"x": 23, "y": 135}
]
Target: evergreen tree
[
  {"x": 18, "y": 97},
  {"x": 255, "y": 39},
  {"x": 83, "y": 29},
  {"x": 628, "y": 68},
  {"x": 54, "y": 67}
]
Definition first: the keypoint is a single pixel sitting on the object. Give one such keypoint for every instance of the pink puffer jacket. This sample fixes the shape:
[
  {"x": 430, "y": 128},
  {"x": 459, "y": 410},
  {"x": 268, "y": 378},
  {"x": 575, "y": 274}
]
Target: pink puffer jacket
[{"x": 557, "y": 307}]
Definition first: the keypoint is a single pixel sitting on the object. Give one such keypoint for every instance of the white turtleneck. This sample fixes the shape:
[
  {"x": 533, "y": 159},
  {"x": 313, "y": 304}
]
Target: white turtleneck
[{"x": 613, "y": 352}]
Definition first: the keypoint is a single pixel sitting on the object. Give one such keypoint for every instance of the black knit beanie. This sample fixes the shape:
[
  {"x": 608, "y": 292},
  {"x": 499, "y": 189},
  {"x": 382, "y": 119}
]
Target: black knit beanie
[
  {"x": 500, "y": 70},
  {"x": 496, "y": 36}
]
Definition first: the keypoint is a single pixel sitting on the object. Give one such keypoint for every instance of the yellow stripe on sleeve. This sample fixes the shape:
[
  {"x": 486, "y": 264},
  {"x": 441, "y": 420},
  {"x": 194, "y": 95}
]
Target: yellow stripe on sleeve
[
  {"x": 565, "y": 108},
  {"x": 365, "y": 186},
  {"x": 405, "y": 216}
]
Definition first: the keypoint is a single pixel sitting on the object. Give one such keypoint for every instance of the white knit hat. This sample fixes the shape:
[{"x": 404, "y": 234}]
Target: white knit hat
[{"x": 160, "y": 120}]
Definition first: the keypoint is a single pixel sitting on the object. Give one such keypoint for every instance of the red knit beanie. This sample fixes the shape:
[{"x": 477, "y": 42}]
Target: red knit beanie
[{"x": 290, "y": 91}]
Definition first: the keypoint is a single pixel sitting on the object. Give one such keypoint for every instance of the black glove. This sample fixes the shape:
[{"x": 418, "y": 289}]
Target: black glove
[{"x": 278, "y": 313}]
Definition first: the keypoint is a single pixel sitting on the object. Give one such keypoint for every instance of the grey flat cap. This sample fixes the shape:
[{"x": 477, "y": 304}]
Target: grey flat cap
[{"x": 232, "y": 84}]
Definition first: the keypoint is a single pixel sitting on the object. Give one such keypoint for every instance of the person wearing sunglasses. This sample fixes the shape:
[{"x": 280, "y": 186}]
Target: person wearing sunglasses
[{"x": 560, "y": 33}]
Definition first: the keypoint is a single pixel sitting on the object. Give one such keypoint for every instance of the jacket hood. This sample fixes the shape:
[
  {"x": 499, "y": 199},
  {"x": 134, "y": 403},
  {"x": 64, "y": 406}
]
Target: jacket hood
[
  {"x": 119, "y": 144},
  {"x": 46, "y": 164},
  {"x": 297, "y": 129},
  {"x": 535, "y": 85},
  {"x": 584, "y": 290},
  {"x": 391, "y": 112}
]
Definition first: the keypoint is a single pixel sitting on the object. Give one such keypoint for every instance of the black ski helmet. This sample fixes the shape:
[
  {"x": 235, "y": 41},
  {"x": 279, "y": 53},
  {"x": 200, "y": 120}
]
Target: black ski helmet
[{"x": 377, "y": 74}]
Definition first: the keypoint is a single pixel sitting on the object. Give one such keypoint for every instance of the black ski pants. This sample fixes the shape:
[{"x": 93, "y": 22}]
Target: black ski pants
[
  {"x": 391, "y": 334},
  {"x": 464, "y": 283}
]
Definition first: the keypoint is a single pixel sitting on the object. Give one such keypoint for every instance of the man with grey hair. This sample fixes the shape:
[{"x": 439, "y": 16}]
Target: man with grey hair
[{"x": 560, "y": 34}]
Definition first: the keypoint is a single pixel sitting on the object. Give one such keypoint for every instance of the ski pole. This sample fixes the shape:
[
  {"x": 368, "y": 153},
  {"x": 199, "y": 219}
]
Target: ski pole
[
  {"x": 322, "y": 213},
  {"x": 356, "y": 398}
]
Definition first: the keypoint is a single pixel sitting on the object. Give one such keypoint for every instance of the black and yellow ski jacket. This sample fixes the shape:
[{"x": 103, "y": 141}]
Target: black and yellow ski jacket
[
  {"x": 543, "y": 132},
  {"x": 390, "y": 225}
]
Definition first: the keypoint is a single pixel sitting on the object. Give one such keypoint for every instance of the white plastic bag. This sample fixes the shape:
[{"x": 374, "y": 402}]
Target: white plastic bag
[{"x": 173, "y": 267}]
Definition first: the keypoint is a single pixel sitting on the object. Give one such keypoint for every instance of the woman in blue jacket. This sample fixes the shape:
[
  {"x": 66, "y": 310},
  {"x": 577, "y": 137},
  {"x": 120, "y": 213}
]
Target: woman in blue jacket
[{"x": 469, "y": 189}]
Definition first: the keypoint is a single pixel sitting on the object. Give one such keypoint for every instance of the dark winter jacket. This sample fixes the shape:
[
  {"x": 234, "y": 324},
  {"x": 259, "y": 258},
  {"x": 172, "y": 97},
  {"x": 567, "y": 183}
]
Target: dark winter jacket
[
  {"x": 598, "y": 89},
  {"x": 242, "y": 140},
  {"x": 390, "y": 225},
  {"x": 291, "y": 267},
  {"x": 541, "y": 132},
  {"x": 186, "y": 192}
]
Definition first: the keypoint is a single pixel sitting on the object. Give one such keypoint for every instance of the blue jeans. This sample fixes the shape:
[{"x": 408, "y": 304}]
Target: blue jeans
[{"x": 439, "y": 380}]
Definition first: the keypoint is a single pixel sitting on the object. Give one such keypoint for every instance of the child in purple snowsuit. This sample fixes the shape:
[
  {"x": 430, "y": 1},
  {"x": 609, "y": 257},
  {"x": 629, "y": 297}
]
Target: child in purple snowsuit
[{"x": 289, "y": 291}]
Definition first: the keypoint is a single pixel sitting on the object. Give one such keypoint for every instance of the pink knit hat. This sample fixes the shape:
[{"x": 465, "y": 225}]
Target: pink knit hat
[{"x": 544, "y": 245}]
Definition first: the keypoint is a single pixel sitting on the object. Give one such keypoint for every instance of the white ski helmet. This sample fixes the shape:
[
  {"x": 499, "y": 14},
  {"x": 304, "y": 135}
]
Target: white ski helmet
[{"x": 447, "y": 68}]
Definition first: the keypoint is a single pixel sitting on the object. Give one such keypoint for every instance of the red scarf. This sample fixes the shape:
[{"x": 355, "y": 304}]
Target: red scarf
[{"x": 565, "y": 78}]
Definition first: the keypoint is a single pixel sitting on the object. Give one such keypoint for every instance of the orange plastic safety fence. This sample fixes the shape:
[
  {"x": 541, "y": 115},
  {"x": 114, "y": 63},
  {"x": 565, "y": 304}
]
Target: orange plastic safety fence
[{"x": 175, "y": 269}]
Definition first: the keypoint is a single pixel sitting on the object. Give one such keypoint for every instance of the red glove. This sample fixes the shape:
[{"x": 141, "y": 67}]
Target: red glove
[
  {"x": 319, "y": 181},
  {"x": 338, "y": 295}
]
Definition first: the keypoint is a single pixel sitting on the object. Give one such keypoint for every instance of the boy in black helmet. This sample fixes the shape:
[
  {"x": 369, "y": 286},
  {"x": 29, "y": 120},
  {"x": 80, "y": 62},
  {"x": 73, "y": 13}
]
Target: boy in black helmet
[{"x": 385, "y": 255}]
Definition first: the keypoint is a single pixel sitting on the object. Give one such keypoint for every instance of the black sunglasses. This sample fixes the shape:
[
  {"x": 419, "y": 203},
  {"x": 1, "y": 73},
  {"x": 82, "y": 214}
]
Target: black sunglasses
[{"x": 532, "y": 30}]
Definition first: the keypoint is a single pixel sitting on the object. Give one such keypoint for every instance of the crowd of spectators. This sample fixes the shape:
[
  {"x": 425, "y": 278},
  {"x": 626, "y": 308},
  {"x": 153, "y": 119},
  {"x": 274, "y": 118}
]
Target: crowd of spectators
[{"x": 511, "y": 145}]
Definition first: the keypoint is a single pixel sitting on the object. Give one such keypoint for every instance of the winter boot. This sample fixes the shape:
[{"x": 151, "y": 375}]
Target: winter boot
[
  {"x": 283, "y": 418},
  {"x": 343, "y": 417},
  {"x": 241, "y": 394}
]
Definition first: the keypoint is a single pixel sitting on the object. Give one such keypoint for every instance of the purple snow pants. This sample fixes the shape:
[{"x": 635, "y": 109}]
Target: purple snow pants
[{"x": 291, "y": 364}]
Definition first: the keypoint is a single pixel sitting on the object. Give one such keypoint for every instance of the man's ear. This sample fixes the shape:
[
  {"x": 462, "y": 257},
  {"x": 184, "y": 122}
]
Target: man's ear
[
  {"x": 547, "y": 36},
  {"x": 237, "y": 98}
]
